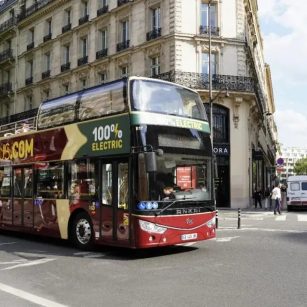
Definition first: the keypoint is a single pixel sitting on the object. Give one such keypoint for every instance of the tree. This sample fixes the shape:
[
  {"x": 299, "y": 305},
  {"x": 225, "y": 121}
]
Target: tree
[{"x": 300, "y": 167}]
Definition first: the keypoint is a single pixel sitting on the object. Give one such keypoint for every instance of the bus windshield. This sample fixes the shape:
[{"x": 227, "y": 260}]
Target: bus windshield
[
  {"x": 178, "y": 177},
  {"x": 153, "y": 96}
]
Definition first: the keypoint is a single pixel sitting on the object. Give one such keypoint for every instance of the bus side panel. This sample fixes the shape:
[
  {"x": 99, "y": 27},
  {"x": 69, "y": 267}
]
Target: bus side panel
[
  {"x": 6, "y": 211},
  {"x": 45, "y": 218},
  {"x": 17, "y": 211}
]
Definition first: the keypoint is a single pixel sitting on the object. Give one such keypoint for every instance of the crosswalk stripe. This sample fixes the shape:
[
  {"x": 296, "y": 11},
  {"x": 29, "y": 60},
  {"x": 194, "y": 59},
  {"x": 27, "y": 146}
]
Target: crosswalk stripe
[
  {"x": 302, "y": 218},
  {"x": 281, "y": 218}
]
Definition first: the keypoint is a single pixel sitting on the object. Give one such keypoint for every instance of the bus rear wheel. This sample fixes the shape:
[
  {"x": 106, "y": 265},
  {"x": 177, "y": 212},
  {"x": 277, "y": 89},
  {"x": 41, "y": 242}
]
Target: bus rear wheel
[{"x": 81, "y": 232}]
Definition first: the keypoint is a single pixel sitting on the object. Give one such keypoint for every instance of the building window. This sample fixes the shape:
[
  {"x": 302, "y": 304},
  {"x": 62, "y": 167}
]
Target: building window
[
  {"x": 103, "y": 44},
  {"x": 48, "y": 30},
  {"x": 29, "y": 72},
  {"x": 124, "y": 71},
  {"x": 84, "y": 12},
  {"x": 124, "y": 36},
  {"x": 102, "y": 77},
  {"x": 155, "y": 18},
  {"x": 67, "y": 20},
  {"x": 102, "y": 7},
  {"x": 83, "y": 83},
  {"x": 66, "y": 88},
  {"x": 47, "y": 61},
  {"x": 206, "y": 20},
  {"x": 83, "y": 51},
  {"x": 29, "y": 103},
  {"x": 205, "y": 63},
  {"x": 155, "y": 66},
  {"x": 46, "y": 94},
  {"x": 30, "y": 39}
]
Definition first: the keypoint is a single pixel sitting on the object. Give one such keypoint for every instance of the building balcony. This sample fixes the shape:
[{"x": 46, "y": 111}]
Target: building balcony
[
  {"x": 8, "y": 24},
  {"x": 122, "y": 2},
  {"x": 30, "y": 46},
  {"x": 101, "y": 53},
  {"x": 83, "y": 20},
  {"x": 82, "y": 60},
  {"x": 47, "y": 37},
  {"x": 153, "y": 34},
  {"x": 18, "y": 117},
  {"x": 102, "y": 10},
  {"x": 5, "y": 88},
  {"x": 65, "y": 66},
  {"x": 205, "y": 30},
  {"x": 29, "y": 80},
  {"x": 66, "y": 28},
  {"x": 46, "y": 74},
  {"x": 123, "y": 45},
  {"x": 33, "y": 8},
  {"x": 6, "y": 55}
]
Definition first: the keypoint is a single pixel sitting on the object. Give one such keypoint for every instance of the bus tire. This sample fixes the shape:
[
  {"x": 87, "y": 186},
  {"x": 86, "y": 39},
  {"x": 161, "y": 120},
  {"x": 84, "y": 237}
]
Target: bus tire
[{"x": 81, "y": 232}]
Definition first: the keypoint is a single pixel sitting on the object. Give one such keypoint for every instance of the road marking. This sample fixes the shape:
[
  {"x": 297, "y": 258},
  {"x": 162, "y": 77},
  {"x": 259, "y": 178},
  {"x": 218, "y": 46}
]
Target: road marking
[
  {"x": 281, "y": 218},
  {"x": 302, "y": 218},
  {"x": 226, "y": 239},
  {"x": 8, "y": 243},
  {"x": 265, "y": 229},
  {"x": 29, "y": 297},
  {"x": 13, "y": 262},
  {"x": 30, "y": 263}
]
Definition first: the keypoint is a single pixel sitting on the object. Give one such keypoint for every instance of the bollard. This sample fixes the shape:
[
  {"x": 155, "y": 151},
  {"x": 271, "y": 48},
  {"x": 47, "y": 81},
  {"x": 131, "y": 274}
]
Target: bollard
[
  {"x": 239, "y": 218},
  {"x": 217, "y": 219}
]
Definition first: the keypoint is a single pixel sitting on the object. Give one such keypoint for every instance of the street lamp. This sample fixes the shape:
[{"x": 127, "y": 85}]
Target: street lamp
[{"x": 210, "y": 74}]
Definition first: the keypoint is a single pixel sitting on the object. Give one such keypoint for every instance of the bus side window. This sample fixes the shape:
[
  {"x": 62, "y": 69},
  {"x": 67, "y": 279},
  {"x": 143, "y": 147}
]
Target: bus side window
[
  {"x": 50, "y": 182},
  {"x": 107, "y": 195},
  {"x": 5, "y": 181}
]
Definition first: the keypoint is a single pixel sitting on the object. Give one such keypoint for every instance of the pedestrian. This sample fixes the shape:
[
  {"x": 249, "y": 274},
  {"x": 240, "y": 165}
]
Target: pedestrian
[
  {"x": 276, "y": 196},
  {"x": 267, "y": 196},
  {"x": 258, "y": 197}
]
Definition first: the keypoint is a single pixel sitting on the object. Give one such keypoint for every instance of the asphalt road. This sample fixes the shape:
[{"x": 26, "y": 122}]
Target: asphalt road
[{"x": 261, "y": 264}]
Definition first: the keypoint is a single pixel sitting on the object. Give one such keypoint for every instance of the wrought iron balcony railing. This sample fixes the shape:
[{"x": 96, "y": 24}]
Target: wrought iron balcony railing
[
  {"x": 65, "y": 66},
  {"x": 205, "y": 30},
  {"x": 47, "y": 37},
  {"x": 6, "y": 55},
  {"x": 33, "y": 8},
  {"x": 17, "y": 117},
  {"x": 66, "y": 28},
  {"x": 123, "y": 45},
  {"x": 30, "y": 46},
  {"x": 46, "y": 74},
  {"x": 102, "y": 10},
  {"x": 153, "y": 34},
  {"x": 5, "y": 88},
  {"x": 29, "y": 80},
  {"x": 83, "y": 19},
  {"x": 8, "y": 24},
  {"x": 82, "y": 60},
  {"x": 122, "y": 2},
  {"x": 200, "y": 81},
  {"x": 101, "y": 53}
]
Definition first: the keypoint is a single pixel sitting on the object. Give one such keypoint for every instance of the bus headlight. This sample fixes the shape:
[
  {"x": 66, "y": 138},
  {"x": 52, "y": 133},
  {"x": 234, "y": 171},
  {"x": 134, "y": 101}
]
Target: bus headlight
[
  {"x": 211, "y": 223},
  {"x": 151, "y": 227}
]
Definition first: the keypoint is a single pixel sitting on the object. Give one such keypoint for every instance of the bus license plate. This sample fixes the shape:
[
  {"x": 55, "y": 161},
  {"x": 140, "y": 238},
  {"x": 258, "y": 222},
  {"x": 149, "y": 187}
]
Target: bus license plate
[{"x": 189, "y": 236}]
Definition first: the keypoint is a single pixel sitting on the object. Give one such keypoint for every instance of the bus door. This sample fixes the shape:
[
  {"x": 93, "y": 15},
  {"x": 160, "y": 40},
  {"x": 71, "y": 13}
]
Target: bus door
[
  {"x": 114, "y": 199},
  {"x": 23, "y": 196}
]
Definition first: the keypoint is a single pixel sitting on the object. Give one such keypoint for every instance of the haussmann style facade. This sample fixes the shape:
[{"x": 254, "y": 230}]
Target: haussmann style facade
[{"x": 50, "y": 48}]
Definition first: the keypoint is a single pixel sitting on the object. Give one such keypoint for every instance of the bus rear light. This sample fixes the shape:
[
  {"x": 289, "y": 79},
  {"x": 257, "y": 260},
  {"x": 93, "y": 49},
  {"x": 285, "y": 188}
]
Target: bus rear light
[{"x": 151, "y": 227}]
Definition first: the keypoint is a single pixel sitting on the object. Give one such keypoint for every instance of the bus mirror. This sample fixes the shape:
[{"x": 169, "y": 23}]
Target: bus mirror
[{"x": 151, "y": 161}]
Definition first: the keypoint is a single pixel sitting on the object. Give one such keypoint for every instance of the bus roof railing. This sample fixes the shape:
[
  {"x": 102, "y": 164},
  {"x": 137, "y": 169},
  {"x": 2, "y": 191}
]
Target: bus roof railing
[{"x": 18, "y": 123}]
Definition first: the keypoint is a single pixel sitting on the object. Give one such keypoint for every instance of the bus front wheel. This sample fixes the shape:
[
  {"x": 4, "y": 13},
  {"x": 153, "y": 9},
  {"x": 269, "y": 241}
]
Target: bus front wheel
[{"x": 81, "y": 233}]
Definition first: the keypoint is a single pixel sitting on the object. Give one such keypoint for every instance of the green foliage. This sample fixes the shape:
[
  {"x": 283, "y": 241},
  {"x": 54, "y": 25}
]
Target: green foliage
[{"x": 300, "y": 167}]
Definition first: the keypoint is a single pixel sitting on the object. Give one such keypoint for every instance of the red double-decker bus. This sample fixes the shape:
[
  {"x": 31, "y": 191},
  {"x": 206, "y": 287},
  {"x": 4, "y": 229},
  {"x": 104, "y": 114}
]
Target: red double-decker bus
[{"x": 127, "y": 163}]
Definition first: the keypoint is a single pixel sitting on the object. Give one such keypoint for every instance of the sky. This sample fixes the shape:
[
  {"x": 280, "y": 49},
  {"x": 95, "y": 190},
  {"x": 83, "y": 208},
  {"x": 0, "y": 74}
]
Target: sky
[{"x": 283, "y": 24}]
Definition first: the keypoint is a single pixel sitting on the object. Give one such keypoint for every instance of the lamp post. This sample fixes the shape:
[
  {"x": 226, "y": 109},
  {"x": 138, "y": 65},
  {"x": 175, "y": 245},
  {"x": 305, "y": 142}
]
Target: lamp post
[{"x": 210, "y": 74}]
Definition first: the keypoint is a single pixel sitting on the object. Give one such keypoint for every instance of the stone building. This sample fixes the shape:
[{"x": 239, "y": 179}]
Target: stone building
[{"x": 50, "y": 48}]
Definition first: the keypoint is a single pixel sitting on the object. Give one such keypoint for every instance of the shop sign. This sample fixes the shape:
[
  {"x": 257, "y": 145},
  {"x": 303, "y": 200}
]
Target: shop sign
[{"x": 221, "y": 149}]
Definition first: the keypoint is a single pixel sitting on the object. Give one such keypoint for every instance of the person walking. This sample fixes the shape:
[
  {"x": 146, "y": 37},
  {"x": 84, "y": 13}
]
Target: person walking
[
  {"x": 258, "y": 197},
  {"x": 276, "y": 195}
]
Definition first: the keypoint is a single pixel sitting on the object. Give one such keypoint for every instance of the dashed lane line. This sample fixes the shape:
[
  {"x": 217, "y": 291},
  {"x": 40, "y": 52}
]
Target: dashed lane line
[
  {"x": 29, "y": 297},
  {"x": 30, "y": 263}
]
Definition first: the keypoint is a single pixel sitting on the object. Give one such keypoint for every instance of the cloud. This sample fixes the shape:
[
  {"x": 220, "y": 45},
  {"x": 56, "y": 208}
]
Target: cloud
[{"x": 292, "y": 128}]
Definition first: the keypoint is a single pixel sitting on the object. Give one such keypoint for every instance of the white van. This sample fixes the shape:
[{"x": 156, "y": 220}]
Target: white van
[{"x": 297, "y": 191}]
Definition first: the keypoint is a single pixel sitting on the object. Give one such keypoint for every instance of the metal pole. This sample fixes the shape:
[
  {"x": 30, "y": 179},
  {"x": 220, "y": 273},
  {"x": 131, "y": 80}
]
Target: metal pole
[
  {"x": 217, "y": 219},
  {"x": 210, "y": 73},
  {"x": 239, "y": 218}
]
